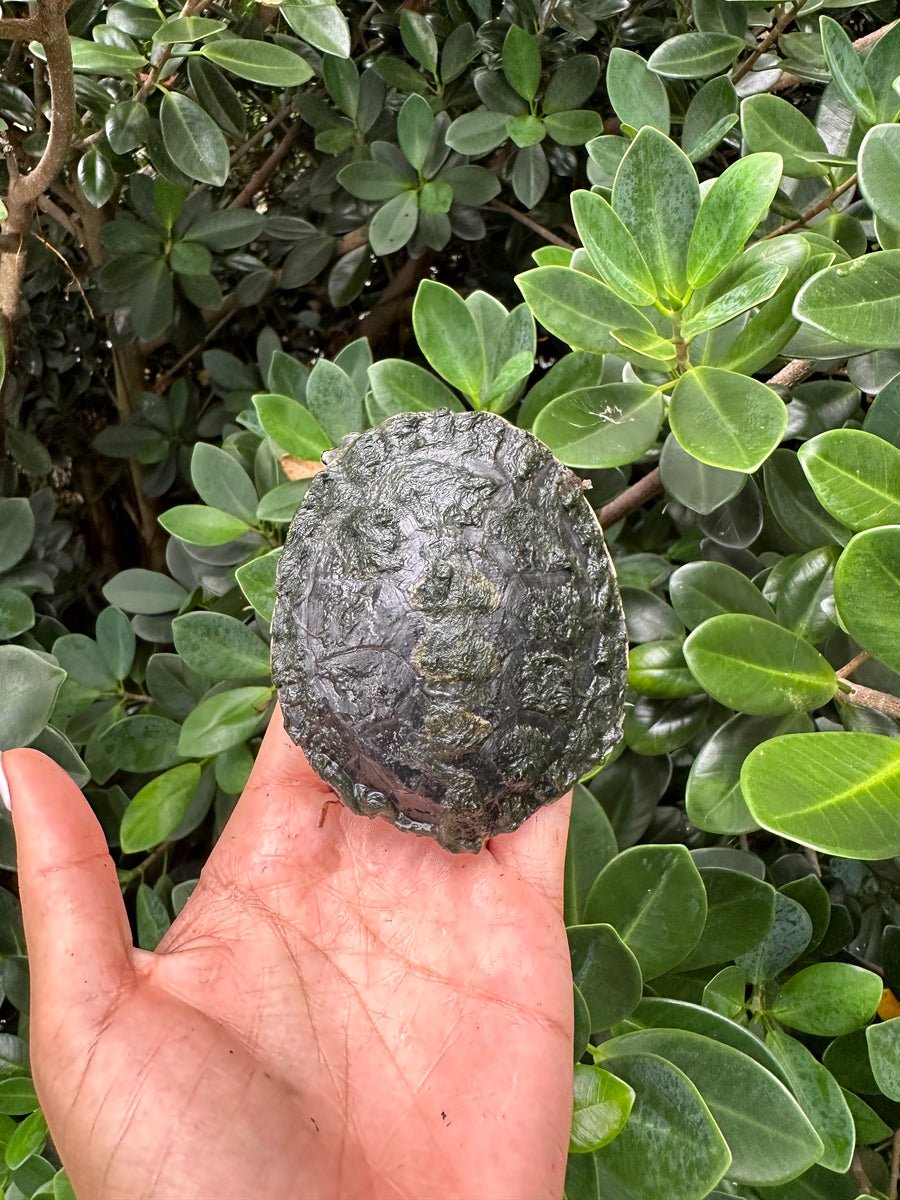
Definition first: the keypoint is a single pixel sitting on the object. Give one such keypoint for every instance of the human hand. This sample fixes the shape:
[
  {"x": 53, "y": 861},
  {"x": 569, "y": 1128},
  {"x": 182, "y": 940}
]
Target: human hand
[{"x": 344, "y": 1012}]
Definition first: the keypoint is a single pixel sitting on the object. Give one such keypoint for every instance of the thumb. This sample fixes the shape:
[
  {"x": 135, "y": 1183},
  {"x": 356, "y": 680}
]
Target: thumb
[{"x": 78, "y": 937}]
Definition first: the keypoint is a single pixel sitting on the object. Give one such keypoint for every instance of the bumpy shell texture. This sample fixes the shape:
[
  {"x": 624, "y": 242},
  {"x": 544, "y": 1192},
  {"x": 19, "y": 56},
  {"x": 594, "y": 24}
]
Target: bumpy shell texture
[{"x": 448, "y": 640}]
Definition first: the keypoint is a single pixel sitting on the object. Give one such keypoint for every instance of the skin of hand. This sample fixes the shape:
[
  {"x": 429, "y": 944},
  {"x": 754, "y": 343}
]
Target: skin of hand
[{"x": 344, "y": 1012}]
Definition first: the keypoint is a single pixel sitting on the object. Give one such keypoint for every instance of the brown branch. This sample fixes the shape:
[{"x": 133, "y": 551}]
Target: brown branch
[
  {"x": 19, "y": 29},
  {"x": 801, "y": 221},
  {"x": 251, "y": 142},
  {"x": 650, "y": 484},
  {"x": 522, "y": 218},
  {"x": 862, "y": 45},
  {"x": 852, "y": 665},
  {"x": 864, "y": 697},
  {"x": 895, "y": 1166},
  {"x": 191, "y": 8},
  {"x": 772, "y": 36},
  {"x": 245, "y": 196},
  {"x": 54, "y": 37}
]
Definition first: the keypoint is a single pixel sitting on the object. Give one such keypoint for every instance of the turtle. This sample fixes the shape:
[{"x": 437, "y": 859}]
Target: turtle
[{"x": 448, "y": 640}]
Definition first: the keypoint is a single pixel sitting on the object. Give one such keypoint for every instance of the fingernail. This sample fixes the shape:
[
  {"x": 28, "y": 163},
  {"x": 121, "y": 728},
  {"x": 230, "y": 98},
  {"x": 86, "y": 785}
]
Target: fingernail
[{"x": 4, "y": 787}]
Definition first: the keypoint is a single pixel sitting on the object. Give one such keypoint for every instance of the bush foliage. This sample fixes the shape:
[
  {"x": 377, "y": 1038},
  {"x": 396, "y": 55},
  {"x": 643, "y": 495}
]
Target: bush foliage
[{"x": 665, "y": 237}]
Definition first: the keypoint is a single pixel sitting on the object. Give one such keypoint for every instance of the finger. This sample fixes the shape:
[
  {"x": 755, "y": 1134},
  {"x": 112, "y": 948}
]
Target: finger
[
  {"x": 79, "y": 941},
  {"x": 537, "y": 850}
]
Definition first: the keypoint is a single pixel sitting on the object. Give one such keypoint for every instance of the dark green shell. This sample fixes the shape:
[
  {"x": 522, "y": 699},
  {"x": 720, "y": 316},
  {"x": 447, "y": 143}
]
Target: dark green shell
[{"x": 448, "y": 639}]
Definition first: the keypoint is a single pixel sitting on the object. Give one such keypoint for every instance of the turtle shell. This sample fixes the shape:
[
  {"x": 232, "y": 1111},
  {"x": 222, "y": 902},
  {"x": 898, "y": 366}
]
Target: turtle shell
[{"x": 448, "y": 639}]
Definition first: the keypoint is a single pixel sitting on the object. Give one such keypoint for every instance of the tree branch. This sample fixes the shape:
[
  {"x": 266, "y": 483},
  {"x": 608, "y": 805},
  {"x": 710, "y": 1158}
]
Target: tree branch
[
  {"x": 772, "y": 36},
  {"x": 522, "y": 218},
  {"x": 864, "y": 697},
  {"x": 245, "y": 196},
  {"x": 19, "y": 29},
  {"x": 801, "y": 221}
]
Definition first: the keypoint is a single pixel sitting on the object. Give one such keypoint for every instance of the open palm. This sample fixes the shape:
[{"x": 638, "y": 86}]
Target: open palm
[{"x": 341, "y": 1010}]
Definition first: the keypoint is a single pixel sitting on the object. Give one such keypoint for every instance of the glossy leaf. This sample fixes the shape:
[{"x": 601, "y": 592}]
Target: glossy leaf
[
  {"x": 591, "y": 844},
  {"x": 754, "y": 666},
  {"x": 820, "y": 1097},
  {"x": 884, "y": 1054},
  {"x": 695, "y": 55},
  {"x": 261, "y": 62},
  {"x": 836, "y": 792},
  {"x": 612, "y": 249},
  {"x": 725, "y": 419},
  {"x": 606, "y": 973},
  {"x": 579, "y": 309},
  {"x": 224, "y": 720},
  {"x": 256, "y": 580},
  {"x": 322, "y": 25},
  {"x": 448, "y": 337},
  {"x": 731, "y": 210},
  {"x": 828, "y": 999},
  {"x": 192, "y": 139},
  {"x": 658, "y": 669},
  {"x": 668, "y": 1113},
  {"x": 637, "y": 94},
  {"x": 657, "y": 197},
  {"x": 694, "y": 484},
  {"x": 855, "y": 475},
  {"x": 866, "y": 582},
  {"x": 737, "y": 1090},
  {"x": 158, "y": 808},
  {"x": 601, "y": 1107},
  {"x": 701, "y": 590},
  {"x": 220, "y": 647},
  {"x": 399, "y": 386},
  {"x": 855, "y": 302},
  {"x": 772, "y": 124},
  {"x": 603, "y": 426},
  {"x": 847, "y": 70},
  {"x": 222, "y": 482},
  {"x": 654, "y": 898},
  {"x": 795, "y": 506},
  {"x": 202, "y": 526},
  {"x": 740, "y": 912},
  {"x": 291, "y": 426}
]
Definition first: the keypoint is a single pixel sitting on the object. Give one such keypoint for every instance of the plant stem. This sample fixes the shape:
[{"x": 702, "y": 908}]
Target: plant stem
[
  {"x": 245, "y": 196},
  {"x": 895, "y": 1166},
  {"x": 801, "y": 221},
  {"x": 772, "y": 36},
  {"x": 852, "y": 665},
  {"x": 499, "y": 206},
  {"x": 864, "y": 697}
]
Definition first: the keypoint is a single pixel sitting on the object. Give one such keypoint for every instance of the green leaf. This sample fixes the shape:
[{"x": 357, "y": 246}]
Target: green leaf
[
  {"x": 291, "y": 426},
  {"x": 654, "y": 898},
  {"x": 572, "y": 83},
  {"x": 322, "y": 25},
  {"x": 794, "y": 504},
  {"x": 399, "y": 386},
  {"x": 16, "y": 531},
  {"x": 612, "y": 249},
  {"x": 80, "y": 657},
  {"x": 116, "y": 642},
  {"x": 711, "y": 113},
  {"x": 836, "y": 792},
  {"x": 224, "y": 720},
  {"x": 187, "y": 29},
  {"x": 573, "y": 128},
  {"x": 741, "y": 1095},
  {"x": 769, "y": 123},
  {"x": 753, "y": 288},
  {"x": 694, "y": 484},
  {"x": 855, "y": 475},
  {"x": 802, "y": 589},
  {"x": 657, "y": 668},
  {"x": 579, "y": 309},
  {"x": 334, "y": 401},
  {"x": 522, "y": 61},
  {"x": 217, "y": 96},
  {"x": 740, "y": 913},
  {"x": 530, "y": 175},
  {"x": 714, "y": 801},
  {"x": 869, "y": 1126},
  {"x": 879, "y": 161},
  {"x": 140, "y": 591},
  {"x": 828, "y": 999},
  {"x": 394, "y": 223},
  {"x": 638, "y": 96},
  {"x": 657, "y": 196},
  {"x": 192, "y": 140},
  {"x": 16, "y": 613},
  {"x": 605, "y": 972},
  {"x": 220, "y": 647},
  {"x": 95, "y": 58},
  {"x": 884, "y": 1054},
  {"x": 415, "y": 128},
  {"x": 262, "y": 62},
  {"x": 30, "y": 688},
  {"x": 731, "y": 210},
  {"x": 158, "y": 808},
  {"x": 475, "y": 133},
  {"x": 280, "y": 504},
  {"x": 820, "y": 1097},
  {"x": 603, "y": 426},
  {"x": 152, "y": 917},
  {"x": 695, "y": 55},
  {"x": 96, "y": 176},
  {"x": 866, "y": 581},
  {"x": 141, "y": 743},
  {"x": 222, "y": 482},
  {"x": 855, "y": 302},
  {"x": 28, "y": 451},
  {"x": 590, "y": 846},
  {"x": 202, "y": 526},
  {"x": 751, "y": 665},
  {"x": 17, "y": 1096},
  {"x": 471, "y": 185},
  {"x": 668, "y": 1112},
  {"x": 701, "y": 590},
  {"x": 847, "y": 71},
  {"x": 342, "y": 81},
  {"x": 725, "y": 419},
  {"x": 660, "y": 726},
  {"x": 419, "y": 40},
  {"x": 27, "y": 1139},
  {"x": 449, "y": 337},
  {"x": 601, "y": 1108},
  {"x": 256, "y": 580}
]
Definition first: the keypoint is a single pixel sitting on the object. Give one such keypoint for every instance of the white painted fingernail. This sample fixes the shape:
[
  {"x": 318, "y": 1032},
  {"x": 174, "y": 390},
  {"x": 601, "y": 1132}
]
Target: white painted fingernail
[{"x": 4, "y": 787}]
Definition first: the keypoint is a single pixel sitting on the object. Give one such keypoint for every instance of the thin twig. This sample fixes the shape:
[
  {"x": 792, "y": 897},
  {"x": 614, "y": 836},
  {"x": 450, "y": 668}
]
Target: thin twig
[
  {"x": 772, "y": 36},
  {"x": 245, "y": 196},
  {"x": 863, "y": 697},
  {"x": 173, "y": 372},
  {"x": 522, "y": 218},
  {"x": 801, "y": 221},
  {"x": 852, "y": 665},
  {"x": 859, "y": 1173},
  {"x": 257, "y": 137},
  {"x": 862, "y": 45}
]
